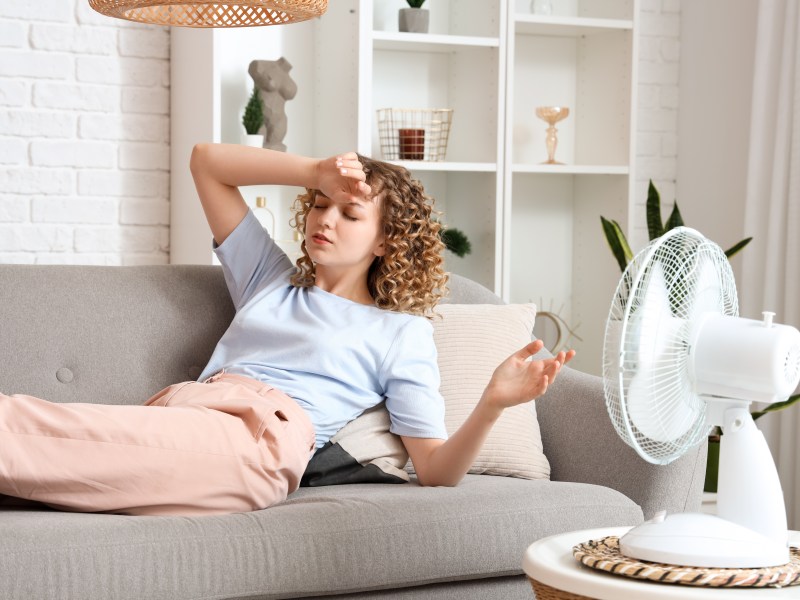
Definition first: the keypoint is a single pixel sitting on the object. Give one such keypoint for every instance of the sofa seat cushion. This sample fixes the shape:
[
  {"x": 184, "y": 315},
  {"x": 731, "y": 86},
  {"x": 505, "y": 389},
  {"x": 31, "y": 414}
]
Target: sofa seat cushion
[{"x": 324, "y": 540}]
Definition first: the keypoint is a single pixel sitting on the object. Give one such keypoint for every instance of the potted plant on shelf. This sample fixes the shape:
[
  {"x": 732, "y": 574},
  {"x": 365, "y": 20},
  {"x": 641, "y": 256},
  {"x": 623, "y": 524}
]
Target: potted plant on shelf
[
  {"x": 414, "y": 19},
  {"x": 253, "y": 120},
  {"x": 456, "y": 241},
  {"x": 622, "y": 252}
]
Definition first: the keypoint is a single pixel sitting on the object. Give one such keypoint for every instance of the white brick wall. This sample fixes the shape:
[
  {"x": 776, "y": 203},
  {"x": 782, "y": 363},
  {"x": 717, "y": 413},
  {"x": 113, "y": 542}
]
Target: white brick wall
[
  {"x": 84, "y": 136},
  {"x": 657, "y": 111}
]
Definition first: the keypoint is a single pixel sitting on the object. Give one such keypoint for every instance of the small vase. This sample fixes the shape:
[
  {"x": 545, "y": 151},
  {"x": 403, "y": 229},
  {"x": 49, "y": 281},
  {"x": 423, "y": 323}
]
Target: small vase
[
  {"x": 255, "y": 140},
  {"x": 552, "y": 115},
  {"x": 413, "y": 20}
]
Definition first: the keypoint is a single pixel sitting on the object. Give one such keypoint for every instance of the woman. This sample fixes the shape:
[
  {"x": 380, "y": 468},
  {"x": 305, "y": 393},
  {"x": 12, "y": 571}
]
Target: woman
[{"x": 310, "y": 348}]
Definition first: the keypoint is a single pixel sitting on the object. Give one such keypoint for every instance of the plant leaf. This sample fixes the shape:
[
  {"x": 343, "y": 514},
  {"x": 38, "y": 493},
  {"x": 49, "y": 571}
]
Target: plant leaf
[
  {"x": 675, "y": 219},
  {"x": 456, "y": 241},
  {"x": 654, "y": 227},
  {"x": 617, "y": 242},
  {"x": 777, "y": 406},
  {"x": 735, "y": 249},
  {"x": 253, "y": 117}
]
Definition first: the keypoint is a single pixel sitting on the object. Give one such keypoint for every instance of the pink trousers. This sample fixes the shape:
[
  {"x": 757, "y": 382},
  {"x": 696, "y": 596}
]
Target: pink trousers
[{"x": 228, "y": 444}]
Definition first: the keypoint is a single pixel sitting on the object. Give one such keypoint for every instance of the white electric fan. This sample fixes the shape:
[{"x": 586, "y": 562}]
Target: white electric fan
[{"x": 677, "y": 361}]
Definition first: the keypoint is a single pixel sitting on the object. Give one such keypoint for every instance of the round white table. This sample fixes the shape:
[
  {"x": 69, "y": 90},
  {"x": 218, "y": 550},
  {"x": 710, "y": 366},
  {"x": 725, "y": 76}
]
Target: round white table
[{"x": 550, "y": 561}]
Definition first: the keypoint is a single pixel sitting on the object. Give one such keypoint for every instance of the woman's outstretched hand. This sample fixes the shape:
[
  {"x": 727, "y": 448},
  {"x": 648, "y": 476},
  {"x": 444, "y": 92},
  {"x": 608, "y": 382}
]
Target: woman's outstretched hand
[
  {"x": 518, "y": 380},
  {"x": 515, "y": 381},
  {"x": 342, "y": 177}
]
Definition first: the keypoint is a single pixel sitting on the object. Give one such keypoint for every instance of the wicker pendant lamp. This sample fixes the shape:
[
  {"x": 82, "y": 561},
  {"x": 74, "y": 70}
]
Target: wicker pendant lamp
[{"x": 197, "y": 13}]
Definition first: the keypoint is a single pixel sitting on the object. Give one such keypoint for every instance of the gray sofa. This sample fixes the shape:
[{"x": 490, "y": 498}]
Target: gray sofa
[{"x": 119, "y": 334}]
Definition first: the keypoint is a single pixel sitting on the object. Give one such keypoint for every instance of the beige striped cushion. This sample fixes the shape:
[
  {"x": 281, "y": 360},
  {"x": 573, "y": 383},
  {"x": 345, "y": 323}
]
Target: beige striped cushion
[{"x": 472, "y": 339}]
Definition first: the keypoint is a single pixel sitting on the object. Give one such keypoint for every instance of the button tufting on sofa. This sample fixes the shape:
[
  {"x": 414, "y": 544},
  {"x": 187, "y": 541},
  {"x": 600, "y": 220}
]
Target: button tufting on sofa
[{"x": 64, "y": 375}]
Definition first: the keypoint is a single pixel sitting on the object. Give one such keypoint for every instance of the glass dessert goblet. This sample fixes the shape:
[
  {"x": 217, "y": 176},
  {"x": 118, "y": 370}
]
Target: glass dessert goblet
[{"x": 552, "y": 115}]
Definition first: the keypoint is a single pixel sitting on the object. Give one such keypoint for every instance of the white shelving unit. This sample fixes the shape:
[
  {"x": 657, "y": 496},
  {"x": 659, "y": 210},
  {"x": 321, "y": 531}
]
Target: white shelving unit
[
  {"x": 567, "y": 26},
  {"x": 426, "y": 42},
  {"x": 534, "y": 228},
  {"x": 554, "y": 252},
  {"x": 459, "y": 64}
]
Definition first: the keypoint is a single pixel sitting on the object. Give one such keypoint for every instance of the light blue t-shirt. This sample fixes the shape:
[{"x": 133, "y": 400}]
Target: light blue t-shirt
[{"x": 335, "y": 357}]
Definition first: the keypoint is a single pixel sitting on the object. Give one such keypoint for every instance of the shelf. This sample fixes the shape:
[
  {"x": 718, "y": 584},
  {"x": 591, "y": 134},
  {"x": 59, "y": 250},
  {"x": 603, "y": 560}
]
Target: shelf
[
  {"x": 568, "y": 26},
  {"x": 572, "y": 169},
  {"x": 446, "y": 166},
  {"x": 426, "y": 42}
]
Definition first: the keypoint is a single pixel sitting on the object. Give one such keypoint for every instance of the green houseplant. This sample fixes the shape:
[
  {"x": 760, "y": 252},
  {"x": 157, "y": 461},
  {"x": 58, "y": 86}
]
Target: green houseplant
[
  {"x": 253, "y": 119},
  {"x": 456, "y": 242},
  {"x": 415, "y": 18},
  {"x": 622, "y": 253},
  {"x": 655, "y": 229}
]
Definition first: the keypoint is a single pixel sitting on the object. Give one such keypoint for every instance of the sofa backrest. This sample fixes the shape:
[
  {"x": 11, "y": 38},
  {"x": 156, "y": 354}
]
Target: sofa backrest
[{"x": 117, "y": 335}]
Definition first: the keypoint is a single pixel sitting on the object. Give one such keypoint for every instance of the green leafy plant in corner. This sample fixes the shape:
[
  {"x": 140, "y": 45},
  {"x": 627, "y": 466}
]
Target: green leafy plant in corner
[
  {"x": 456, "y": 241},
  {"x": 655, "y": 229},
  {"x": 253, "y": 117},
  {"x": 415, "y": 3}
]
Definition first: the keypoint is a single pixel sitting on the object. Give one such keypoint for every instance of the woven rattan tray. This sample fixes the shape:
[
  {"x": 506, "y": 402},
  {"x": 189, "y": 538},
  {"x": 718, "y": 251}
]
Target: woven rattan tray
[{"x": 604, "y": 555}]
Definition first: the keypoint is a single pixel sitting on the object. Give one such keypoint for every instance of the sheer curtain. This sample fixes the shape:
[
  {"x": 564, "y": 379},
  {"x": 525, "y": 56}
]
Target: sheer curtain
[{"x": 771, "y": 264}]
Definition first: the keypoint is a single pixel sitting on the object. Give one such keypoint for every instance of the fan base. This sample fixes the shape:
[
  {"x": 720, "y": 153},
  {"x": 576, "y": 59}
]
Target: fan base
[{"x": 701, "y": 540}]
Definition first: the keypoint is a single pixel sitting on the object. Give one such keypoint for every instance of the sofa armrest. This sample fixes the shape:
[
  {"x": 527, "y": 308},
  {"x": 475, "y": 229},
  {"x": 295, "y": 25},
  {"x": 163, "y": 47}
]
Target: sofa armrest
[{"x": 581, "y": 444}]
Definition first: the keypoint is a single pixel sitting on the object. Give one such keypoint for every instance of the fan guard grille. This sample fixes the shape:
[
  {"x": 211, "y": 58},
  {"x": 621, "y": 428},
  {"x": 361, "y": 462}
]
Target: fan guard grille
[{"x": 662, "y": 293}]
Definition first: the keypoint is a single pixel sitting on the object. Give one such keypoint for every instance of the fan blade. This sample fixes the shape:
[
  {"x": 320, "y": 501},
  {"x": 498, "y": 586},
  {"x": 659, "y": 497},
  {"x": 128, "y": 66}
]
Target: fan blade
[
  {"x": 653, "y": 406},
  {"x": 706, "y": 292},
  {"x": 665, "y": 425},
  {"x": 647, "y": 319}
]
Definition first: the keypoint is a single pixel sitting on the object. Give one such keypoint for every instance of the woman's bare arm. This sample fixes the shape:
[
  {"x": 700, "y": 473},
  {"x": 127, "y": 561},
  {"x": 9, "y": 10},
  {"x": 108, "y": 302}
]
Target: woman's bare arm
[
  {"x": 515, "y": 381},
  {"x": 219, "y": 169}
]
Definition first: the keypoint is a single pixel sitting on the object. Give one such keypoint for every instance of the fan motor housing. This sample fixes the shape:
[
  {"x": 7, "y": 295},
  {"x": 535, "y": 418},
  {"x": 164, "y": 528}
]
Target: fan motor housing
[{"x": 744, "y": 359}]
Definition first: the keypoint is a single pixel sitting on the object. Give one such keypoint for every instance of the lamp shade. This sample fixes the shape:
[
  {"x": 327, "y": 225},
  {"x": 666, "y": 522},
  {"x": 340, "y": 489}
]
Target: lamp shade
[{"x": 187, "y": 13}]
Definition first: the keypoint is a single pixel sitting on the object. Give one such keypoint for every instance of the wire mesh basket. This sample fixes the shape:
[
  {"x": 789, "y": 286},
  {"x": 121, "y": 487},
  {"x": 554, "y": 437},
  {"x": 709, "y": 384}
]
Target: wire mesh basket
[{"x": 414, "y": 133}]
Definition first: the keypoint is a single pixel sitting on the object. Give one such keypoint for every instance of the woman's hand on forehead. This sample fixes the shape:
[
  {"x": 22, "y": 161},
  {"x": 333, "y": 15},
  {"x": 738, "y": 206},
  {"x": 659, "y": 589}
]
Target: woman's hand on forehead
[{"x": 342, "y": 178}]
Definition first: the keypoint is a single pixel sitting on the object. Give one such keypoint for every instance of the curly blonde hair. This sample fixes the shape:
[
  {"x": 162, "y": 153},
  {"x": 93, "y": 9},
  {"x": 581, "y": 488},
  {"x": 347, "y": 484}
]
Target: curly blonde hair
[{"x": 410, "y": 276}]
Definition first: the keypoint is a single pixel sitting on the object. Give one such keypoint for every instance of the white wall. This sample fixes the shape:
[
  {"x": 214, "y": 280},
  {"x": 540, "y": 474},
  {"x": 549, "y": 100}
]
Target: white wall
[
  {"x": 716, "y": 86},
  {"x": 84, "y": 136}
]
